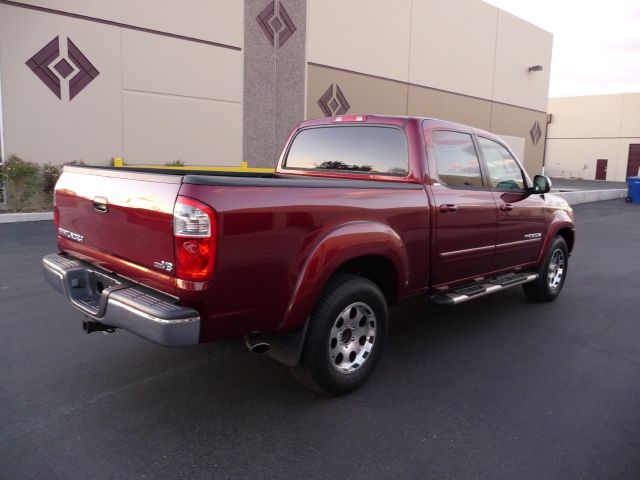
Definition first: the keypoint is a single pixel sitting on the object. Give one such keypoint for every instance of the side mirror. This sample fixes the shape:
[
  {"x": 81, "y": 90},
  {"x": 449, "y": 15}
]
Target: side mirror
[{"x": 541, "y": 184}]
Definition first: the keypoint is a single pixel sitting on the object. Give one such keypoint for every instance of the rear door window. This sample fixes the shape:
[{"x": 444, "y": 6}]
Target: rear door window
[
  {"x": 456, "y": 159},
  {"x": 357, "y": 148}
]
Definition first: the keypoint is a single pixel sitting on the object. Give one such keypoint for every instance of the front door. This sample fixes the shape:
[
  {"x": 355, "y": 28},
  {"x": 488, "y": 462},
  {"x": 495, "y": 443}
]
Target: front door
[
  {"x": 465, "y": 210},
  {"x": 601, "y": 169},
  {"x": 521, "y": 226},
  {"x": 633, "y": 165}
]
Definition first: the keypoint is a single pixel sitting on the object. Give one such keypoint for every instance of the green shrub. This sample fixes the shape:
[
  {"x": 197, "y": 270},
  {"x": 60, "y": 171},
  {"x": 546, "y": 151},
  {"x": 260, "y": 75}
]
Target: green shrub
[
  {"x": 177, "y": 163},
  {"x": 51, "y": 173},
  {"x": 22, "y": 182},
  {"x": 29, "y": 186}
]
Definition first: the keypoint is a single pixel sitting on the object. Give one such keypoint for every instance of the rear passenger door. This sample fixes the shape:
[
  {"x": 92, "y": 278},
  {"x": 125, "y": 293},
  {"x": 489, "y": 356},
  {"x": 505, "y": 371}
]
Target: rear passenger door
[
  {"x": 466, "y": 213},
  {"x": 520, "y": 229}
]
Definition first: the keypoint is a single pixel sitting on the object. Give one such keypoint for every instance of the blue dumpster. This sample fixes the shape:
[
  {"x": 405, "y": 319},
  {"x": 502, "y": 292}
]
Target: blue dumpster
[{"x": 634, "y": 189}]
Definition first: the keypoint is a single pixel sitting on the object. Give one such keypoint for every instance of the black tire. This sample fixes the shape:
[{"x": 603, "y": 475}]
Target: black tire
[
  {"x": 548, "y": 285},
  {"x": 321, "y": 367}
]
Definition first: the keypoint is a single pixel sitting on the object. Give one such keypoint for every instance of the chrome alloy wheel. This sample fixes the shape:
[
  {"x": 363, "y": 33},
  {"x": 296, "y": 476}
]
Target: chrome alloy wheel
[
  {"x": 352, "y": 337},
  {"x": 555, "y": 272}
]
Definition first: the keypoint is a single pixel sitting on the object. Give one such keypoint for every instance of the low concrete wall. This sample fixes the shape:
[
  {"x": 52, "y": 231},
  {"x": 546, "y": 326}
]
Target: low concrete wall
[
  {"x": 584, "y": 196},
  {"x": 25, "y": 217}
]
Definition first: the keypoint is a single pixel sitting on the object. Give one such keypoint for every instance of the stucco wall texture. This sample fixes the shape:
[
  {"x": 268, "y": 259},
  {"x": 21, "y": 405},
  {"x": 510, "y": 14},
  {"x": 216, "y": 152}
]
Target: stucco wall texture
[
  {"x": 274, "y": 76},
  {"x": 212, "y": 82}
]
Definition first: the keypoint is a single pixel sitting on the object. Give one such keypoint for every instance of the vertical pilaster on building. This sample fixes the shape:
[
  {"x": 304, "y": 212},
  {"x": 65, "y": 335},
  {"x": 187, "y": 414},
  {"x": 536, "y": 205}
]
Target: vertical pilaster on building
[{"x": 274, "y": 76}]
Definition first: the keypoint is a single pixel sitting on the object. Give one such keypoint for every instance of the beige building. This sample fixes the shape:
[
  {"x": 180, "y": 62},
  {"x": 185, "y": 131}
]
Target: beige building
[
  {"x": 215, "y": 82},
  {"x": 595, "y": 137}
]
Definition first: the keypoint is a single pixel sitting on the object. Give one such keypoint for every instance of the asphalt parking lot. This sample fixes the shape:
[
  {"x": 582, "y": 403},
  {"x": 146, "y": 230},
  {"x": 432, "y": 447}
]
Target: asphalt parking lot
[{"x": 496, "y": 388}]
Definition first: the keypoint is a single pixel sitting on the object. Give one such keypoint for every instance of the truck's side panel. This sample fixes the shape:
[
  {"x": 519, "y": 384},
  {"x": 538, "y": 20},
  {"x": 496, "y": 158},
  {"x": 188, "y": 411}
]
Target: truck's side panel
[
  {"x": 266, "y": 235},
  {"x": 521, "y": 229}
]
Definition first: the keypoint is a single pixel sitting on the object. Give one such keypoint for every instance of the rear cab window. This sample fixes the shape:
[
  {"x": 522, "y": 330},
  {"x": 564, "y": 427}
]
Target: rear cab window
[
  {"x": 457, "y": 161},
  {"x": 366, "y": 149}
]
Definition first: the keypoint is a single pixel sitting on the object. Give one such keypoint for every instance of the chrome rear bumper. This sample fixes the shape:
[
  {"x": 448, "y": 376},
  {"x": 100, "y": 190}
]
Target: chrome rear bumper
[{"x": 115, "y": 302}]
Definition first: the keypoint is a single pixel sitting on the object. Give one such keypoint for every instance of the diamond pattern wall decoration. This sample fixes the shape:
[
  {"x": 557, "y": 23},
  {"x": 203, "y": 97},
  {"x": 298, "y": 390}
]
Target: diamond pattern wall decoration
[
  {"x": 86, "y": 71},
  {"x": 40, "y": 62},
  {"x": 276, "y": 23},
  {"x": 63, "y": 68},
  {"x": 333, "y": 102},
  {"x": 47, "y": 62},
  {"x": 535, "y": 133}
]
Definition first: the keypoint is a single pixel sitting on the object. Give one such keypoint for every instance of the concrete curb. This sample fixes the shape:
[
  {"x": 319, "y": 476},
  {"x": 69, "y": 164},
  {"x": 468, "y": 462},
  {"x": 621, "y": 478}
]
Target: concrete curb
[
  {"x": 25, "y": 217},
  {"x": 584, "y": 196}
]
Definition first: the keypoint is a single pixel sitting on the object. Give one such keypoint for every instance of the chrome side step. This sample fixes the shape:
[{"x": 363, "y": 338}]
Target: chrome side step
[{"x": 474, "y": 290}]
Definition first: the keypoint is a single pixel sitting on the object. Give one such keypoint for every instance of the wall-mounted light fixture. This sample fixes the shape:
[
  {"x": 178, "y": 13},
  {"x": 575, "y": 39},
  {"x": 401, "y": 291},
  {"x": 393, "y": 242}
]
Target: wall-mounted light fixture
[{"x": 535, "y": 68}]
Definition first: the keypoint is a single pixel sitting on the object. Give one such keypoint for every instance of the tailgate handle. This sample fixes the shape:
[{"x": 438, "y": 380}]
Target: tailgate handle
[{"x": 101, "y": 204}]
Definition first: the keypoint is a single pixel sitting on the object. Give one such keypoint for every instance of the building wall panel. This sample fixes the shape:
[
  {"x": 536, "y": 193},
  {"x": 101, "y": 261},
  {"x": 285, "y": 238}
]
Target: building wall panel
[
  {"x": 449, "y": 106},
  {"x": 454, "y": 52},
  {"x": 519, "y": 46},
  {"x": 161, "y": 129},
  {"x": 38, "y": 125},
  {"x": 368, "y": 36},
  {"x": 630, "y": 121},
  {"x": 210, "y": 20},
  {"x": 576, "y": 158},
  {"x": 584, "y": 117},
  {"x": 363, "y": 93},
  {"x": 517, "y": 122},
  {"x": 158, "y": 64}
]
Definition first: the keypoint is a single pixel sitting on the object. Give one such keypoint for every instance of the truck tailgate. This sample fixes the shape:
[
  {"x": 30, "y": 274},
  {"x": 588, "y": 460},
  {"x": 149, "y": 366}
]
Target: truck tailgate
[{"x": 119, "y": 220}]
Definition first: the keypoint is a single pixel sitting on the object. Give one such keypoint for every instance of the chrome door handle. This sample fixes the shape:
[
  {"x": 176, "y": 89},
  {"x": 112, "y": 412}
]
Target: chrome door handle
[
  {"x": 100, "y": 204},
  {"x": 506, "y": 206},
  {"x": 448, "y": 207}
]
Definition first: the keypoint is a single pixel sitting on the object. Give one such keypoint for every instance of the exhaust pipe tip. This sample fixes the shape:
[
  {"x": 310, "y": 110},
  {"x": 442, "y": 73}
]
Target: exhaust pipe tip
[
  {"x": 261, "y": 348},
  {"x": 256, "y": 344}
]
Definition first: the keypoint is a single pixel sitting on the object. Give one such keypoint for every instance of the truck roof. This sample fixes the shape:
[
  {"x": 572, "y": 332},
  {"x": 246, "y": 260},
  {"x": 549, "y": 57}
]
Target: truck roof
[{"x": 398, "y": 120}]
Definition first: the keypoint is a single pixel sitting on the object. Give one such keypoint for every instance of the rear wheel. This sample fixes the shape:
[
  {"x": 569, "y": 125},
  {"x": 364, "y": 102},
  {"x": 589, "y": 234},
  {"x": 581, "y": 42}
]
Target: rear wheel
[
  {"x": 347, "y": 331},
  {"x": 552, "y": 273}
]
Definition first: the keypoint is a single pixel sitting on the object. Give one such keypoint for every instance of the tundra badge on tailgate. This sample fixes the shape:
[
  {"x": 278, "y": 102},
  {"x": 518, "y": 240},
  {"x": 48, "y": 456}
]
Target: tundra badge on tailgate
[{"x": 63, "y": 232}]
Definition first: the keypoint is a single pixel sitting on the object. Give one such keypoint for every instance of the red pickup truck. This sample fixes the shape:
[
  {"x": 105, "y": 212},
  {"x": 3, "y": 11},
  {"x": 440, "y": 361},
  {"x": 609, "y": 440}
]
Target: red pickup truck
[{"x": 360, "y": 213}]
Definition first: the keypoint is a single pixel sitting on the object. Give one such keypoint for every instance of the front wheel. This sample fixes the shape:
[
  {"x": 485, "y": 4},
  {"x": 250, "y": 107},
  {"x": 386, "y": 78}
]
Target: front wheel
[
  {"x": 346, "y": 334},
  {"x": 552, "y": 273}
]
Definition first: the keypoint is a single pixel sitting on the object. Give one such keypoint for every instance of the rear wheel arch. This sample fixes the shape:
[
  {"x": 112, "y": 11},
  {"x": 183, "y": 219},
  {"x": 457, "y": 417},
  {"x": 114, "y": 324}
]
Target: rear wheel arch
[
  {"x": 379, "y": 269},
  {"x": 370, "y": 249}
]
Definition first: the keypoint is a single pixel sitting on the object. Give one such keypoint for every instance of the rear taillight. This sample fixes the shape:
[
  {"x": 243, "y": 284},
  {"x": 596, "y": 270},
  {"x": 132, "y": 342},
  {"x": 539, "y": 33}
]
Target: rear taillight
[
  {"x": 56, "y": 217},
  {"x": 194, "y": 232}
]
